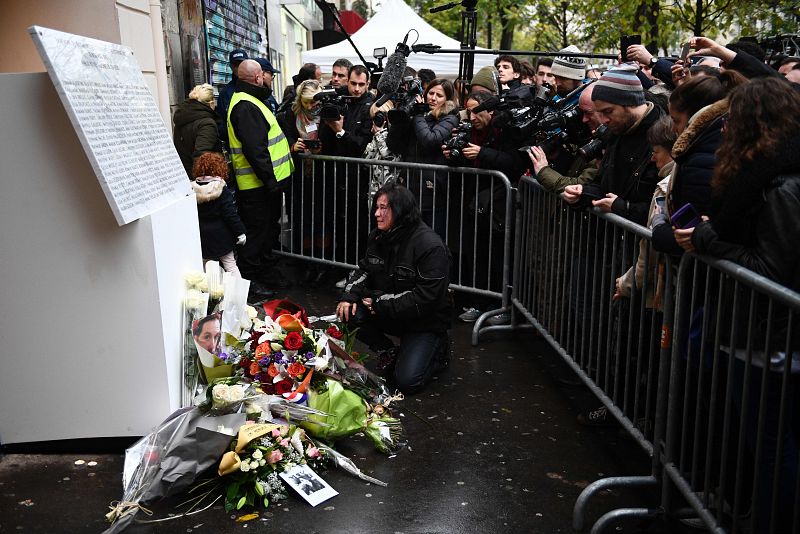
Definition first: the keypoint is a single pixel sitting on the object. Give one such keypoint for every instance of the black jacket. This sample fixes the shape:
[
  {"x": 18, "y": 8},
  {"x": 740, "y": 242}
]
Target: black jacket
[
  {"x": 195, "y": 132},
  {"x": 694, "y": 154},
  {"x": 251, "y": 128},
  {"x": 420, "y": 141},
  {"x": 357, "y": 128},
  {"x": 219, "y": 221},
  {"x": 627, "y": 171},
  {"x": 406, "y": 273},
  {"x": 499, "y": 155},
  {"x": 755, "y": 222}
]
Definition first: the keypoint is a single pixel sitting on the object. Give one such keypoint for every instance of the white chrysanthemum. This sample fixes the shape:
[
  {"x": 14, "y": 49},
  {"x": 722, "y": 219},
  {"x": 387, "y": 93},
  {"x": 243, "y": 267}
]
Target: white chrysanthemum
[{"x": 193, "y": 278}]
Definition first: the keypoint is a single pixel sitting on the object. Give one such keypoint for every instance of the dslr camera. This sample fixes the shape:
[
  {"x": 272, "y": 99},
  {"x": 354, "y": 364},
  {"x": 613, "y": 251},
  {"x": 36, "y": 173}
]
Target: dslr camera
[
  {"x": 460, "y": 139},
  {"x": 594, "y": 148},
  {"x": 333, "y": 104}
]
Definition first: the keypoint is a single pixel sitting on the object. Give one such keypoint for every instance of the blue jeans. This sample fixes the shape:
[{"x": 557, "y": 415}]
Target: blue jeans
[{"x": 418, "y": 355}]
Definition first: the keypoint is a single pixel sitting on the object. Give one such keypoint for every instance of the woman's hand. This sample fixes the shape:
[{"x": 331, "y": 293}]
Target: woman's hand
[
  {"x": 299, "y": 146},
  {"x": 680, "y": 73},
  {"x": 471, "y": 151},
  {"x": 683, "y": 236},
  {"x": 345, "y": 310},
  {"x": 538, "y": 158},
  {"x": 367, "y": 302},
  {"x": 704, "y": 46},
  {"x": 605, "y": 203},
  {"x": 572, "y": 193}
]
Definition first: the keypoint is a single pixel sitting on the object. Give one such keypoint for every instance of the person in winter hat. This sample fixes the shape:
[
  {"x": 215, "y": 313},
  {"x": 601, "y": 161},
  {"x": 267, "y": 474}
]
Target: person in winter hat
[
  {"x": 220, "y": 226},
  {"x": 568, "y": 71}
]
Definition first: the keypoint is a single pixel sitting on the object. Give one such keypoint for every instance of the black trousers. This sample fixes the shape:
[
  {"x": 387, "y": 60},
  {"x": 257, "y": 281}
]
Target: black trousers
[{"x": 260, "y": 212}]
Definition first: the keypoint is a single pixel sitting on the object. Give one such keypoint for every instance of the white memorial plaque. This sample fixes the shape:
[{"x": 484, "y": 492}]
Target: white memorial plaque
[{"x": 117, "y": 120}]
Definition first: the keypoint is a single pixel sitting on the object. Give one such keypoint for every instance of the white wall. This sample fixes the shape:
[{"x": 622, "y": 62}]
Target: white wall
[{"x": 90, "y": 322}]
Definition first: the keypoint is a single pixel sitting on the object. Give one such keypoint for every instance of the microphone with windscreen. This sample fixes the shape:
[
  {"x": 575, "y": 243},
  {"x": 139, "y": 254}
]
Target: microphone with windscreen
[{"x": 393, "y": 71}]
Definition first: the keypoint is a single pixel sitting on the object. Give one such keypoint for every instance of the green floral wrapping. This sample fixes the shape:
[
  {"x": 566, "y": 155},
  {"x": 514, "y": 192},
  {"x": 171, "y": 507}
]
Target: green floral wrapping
[{"x": 349, "y": 414}]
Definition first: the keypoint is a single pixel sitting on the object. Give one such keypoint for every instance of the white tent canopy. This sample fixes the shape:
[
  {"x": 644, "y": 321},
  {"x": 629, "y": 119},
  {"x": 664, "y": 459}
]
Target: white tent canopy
[{"x": 387, "y": 28}]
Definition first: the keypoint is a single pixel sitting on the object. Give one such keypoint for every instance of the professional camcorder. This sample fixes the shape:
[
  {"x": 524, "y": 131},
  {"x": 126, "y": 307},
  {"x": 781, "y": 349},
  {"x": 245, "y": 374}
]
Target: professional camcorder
[
  {"x": 333, "y": 104},
  {"x": 405, "y": 101},
  {"x": 460, "y": 139}
]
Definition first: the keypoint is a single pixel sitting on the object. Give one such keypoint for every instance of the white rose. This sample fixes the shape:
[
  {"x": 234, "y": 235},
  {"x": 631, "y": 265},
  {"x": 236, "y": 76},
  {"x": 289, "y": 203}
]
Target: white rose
[
  {"x": 258, "y": 454},
  {"x": 245, "y": 467},
  {"x": 252, "y": 408},
  {"x": 194, "y": 299},
  {"x": 262, "y": 462},
  {"x": 251, "y": 312},
  {"x": 254, "y": 464},
  {"x": 235, "y": 393},
  {"x": 193, "y": 278},
  {"x": 219, "y": 395}
]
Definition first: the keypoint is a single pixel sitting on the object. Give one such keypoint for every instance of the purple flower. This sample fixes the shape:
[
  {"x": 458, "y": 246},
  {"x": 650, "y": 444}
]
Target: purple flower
[
  {"x": 222, "y": 356},
  {"x": 265, "y": 361},
  {"x": 280, "y": 357}
]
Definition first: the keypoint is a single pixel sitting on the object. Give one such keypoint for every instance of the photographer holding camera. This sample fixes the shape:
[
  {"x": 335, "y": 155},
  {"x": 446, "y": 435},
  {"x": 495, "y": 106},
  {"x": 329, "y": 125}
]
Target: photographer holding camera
[
  {"x": 627, "y": 177},
  {"x": 349, "y": 133},
  {"x": 418, "y": 138}
]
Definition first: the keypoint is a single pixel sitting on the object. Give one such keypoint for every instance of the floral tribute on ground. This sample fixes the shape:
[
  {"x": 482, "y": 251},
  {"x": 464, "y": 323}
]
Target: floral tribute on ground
[{"x": 272, "y": 396}]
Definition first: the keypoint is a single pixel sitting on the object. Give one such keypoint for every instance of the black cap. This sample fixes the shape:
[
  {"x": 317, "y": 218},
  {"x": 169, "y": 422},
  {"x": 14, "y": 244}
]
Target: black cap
[
  {"x": 266, "y": 66},
  {"x": 237, "y": 56}
]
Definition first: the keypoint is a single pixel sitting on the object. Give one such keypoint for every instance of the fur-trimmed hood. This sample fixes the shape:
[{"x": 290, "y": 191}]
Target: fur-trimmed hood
[
  {"x": 697, "y": 125},
  {"x": 208, "y": 188}
]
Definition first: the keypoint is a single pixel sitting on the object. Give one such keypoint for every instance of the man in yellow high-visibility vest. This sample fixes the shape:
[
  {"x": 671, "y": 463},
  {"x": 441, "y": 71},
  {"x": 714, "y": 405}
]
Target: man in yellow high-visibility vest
[{"x": 263, "y": 166}]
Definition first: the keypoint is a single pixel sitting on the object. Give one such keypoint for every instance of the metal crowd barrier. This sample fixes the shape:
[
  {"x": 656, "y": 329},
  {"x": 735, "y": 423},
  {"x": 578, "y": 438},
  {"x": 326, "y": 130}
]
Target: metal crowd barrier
[
  {"x": 732, "y": 422},
  {"x": 327, "y": 216},
  {"x": 706, "y": 382},
  {"x": 565, "y": 271}
]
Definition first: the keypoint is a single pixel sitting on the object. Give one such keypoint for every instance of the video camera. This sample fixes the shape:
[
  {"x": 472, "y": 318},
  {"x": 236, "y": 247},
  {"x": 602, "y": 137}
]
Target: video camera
[
  {"x": 405, "y": 101},
  {"x": 521, "y": 115},
  {"x": 460, "y": 139},
  {"x": 333, "y": 104}
]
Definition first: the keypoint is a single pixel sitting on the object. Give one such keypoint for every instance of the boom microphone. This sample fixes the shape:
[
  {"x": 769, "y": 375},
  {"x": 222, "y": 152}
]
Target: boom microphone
[{"x": 393, "y": 72}]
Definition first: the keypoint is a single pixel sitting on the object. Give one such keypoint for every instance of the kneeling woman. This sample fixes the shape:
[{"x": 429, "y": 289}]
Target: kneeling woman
[{"x": 401, "y": 290}]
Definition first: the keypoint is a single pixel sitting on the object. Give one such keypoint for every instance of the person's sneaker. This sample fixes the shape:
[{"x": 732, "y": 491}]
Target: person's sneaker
[
  {"x": 499, "y": 319},
  {"x": 598, "y": 417},
  {"x": 470, "y": 315}
]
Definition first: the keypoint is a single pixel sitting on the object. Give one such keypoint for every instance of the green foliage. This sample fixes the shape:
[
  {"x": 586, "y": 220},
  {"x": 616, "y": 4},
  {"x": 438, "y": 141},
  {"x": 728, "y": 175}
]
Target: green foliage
[{"x": 596, "y": 25}]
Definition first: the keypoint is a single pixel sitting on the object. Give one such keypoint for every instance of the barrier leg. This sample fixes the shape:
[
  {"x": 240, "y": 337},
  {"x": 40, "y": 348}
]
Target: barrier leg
[
  {"x": 579, "y": 511},
  {"x": 614, "y": 515}
]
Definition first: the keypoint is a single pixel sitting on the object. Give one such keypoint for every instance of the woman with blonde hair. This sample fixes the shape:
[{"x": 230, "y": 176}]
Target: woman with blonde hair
[
  {"x": 195, "y": 131},
  {"x": 301, "y": 122}
]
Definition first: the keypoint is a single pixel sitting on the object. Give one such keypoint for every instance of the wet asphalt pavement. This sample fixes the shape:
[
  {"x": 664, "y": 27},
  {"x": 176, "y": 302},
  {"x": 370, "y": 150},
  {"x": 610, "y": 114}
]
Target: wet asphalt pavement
[{"x": 493, "y": 446}]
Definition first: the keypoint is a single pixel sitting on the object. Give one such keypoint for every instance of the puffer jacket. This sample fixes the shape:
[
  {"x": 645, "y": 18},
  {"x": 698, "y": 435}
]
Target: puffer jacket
[
  {"x": 406, "y": 273},
  {"x": 195, "y": 132},
  {"x": 219, "y": 221},
  {"x": 694, "y": 155}
]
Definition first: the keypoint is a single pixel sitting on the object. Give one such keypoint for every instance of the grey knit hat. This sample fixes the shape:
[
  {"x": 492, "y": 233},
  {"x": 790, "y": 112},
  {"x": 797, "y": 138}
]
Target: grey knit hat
[
  {"x": 573, "y": 68},
  {"x": 619, "y": 85}
]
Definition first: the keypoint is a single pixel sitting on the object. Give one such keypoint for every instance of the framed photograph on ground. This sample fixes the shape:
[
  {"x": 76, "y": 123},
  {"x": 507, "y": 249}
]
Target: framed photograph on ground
[{"x": 308, "y": 484}]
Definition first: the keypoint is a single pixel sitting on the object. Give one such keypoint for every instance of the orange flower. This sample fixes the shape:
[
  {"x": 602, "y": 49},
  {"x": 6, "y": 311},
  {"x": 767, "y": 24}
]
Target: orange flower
[
  {"x": 296, "y": 369},
  {"x": 273, "y": 370},
  {"x": 290, "y": 323},
  {"x": 263, "y": 350},
  {"x": 254, "y": 369}
]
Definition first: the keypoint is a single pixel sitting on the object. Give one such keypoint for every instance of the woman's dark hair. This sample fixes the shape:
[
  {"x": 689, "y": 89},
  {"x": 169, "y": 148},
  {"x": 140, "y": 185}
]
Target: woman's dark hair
[
  {"x": 449, "y": 95},
  {"x": 661, "y": 133},
  {"x": 405, "y": 211},
  {"x": 703, "y": 91},
  {"x": 763, "y": 113}
]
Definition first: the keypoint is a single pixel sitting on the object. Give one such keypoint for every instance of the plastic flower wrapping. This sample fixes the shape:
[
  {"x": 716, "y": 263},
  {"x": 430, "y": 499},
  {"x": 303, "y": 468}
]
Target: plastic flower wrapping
[{"x": 272, "y": 393}]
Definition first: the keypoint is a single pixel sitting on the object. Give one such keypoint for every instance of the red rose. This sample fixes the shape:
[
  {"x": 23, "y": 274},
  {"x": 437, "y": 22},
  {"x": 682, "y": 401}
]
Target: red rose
[
  {"x": 293, "y": 341},
  {"x": 296, "y": 369},
  {"x": 284, "y": 386},
  {"x": 268, "y": 388},
  {"x": 334, "y": 332}
]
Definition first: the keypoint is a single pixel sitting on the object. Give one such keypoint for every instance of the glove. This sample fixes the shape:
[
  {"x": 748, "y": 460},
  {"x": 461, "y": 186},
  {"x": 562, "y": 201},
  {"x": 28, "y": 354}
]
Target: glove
[{"x": 241, "y": 240}]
